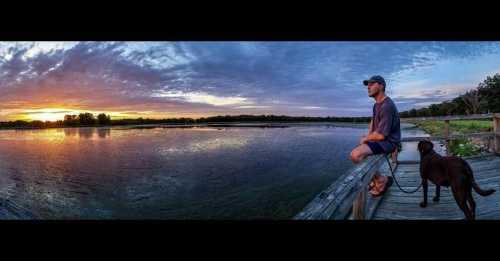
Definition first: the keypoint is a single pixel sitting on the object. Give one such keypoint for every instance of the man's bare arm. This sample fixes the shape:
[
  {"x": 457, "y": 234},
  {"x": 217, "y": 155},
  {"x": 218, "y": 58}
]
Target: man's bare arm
[
  {"x": 373, "y": 136},
  {"x": 370, "y": 130}
]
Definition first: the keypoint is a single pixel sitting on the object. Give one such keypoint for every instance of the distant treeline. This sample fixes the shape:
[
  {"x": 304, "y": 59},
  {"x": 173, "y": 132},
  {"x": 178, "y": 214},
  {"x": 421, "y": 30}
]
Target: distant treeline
[
  {"x": 484, "y": 99},
  {"x": 83, "y": 119},
  {"x": 88, "y": 119},
  {"x": 240, "y": 118}
]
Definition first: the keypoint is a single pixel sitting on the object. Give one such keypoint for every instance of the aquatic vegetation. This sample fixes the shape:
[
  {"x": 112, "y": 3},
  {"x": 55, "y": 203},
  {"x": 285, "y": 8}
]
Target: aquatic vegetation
[
  {"x": 459, "y": 147},
  {"x": 464, "y": 148}
]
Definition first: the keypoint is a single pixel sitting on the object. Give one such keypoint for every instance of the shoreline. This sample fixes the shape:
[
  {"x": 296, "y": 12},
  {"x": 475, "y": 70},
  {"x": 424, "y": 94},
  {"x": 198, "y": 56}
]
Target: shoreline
[{"x": 201, "y": 125}]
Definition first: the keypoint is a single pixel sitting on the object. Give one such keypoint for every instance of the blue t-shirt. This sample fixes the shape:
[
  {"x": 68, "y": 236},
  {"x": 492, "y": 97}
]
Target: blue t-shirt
[{"x": 386, "y": 122}]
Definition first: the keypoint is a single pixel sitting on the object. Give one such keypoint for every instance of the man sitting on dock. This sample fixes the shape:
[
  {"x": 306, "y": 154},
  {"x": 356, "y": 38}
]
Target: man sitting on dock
[{"x": 384, "y": 134}]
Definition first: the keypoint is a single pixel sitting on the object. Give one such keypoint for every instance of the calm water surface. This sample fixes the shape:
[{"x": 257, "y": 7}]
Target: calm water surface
[{"x": 173, "y": 173}]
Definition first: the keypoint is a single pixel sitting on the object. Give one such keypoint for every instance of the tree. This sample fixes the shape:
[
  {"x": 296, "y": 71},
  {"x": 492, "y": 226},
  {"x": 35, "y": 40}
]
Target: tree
[
  {"x": 483, "y": 99},
  {"x": 423, "y": 112},
  {"x": 20, "y": 123},
  {"x": 413, "y": 113},
  {"x": 70, "y": 120},
  {"x": 86, "y": 118},
  {"x": 489, "y": 90},
  {"x": 103, "y": 119},
  {"x": 37, "y": 124},
  {"x": 434, "y": 109},
  {"x": 471, "y": 100},
  {"x": 446, "y": 108}
]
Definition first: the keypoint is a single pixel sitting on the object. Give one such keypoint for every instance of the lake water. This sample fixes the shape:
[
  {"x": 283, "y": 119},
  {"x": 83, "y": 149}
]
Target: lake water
[{"x": 174, "y": 173}]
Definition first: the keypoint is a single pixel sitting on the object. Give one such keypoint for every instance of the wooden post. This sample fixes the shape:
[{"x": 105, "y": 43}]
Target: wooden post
[
  {"x": 496, "y": 131},
  {"x": 447, "y": 135},
  {"x": 358, "y": 206}
]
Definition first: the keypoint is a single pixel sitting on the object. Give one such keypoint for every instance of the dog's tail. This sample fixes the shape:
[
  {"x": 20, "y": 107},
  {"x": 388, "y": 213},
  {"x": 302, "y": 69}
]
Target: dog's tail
[{"x": 476, "y": 187}]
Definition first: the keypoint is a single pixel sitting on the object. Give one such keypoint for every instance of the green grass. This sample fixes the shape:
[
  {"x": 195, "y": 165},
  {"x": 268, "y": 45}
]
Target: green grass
[
  {"x": 459, "y": 147},
  {"x": 436, "y": 128}
]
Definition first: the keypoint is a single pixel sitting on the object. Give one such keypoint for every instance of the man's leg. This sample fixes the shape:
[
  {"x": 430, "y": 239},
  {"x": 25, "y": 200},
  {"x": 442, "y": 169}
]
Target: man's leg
[
  {"x": 360, "y": 153},
  {"x": 378, "y": 181}
]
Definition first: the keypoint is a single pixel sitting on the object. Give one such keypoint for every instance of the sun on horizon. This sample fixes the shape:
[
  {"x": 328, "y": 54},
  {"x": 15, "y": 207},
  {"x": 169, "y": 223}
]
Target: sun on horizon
[{"x": 52, "y": 114}]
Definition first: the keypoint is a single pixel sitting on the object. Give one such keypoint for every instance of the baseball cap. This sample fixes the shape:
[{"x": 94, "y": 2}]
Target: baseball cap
[{"x": 375, "y": 78}]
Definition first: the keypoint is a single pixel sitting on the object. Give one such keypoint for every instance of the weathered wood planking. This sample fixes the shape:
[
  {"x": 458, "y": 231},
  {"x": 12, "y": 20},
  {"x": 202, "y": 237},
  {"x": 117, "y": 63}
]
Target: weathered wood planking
[
  {"x": 399, "y": 205},
  {"x": 336, "y": 201}
]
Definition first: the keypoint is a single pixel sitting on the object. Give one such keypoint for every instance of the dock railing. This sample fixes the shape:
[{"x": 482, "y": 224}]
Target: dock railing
[{"x": 347, "y": 197}]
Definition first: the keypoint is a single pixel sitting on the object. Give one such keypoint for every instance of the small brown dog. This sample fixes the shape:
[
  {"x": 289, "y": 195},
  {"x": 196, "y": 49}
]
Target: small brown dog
[{"x": 449, "y": 171}]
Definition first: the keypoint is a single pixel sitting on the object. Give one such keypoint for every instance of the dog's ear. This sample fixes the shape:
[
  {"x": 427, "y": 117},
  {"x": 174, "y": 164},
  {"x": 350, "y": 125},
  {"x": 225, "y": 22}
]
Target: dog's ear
[
  {"x": 425, "y": 146},
  {"x": 431, "y": 145}
]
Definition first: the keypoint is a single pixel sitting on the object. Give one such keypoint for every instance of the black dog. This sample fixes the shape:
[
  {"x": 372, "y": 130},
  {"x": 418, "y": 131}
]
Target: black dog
[{"x": 449, "y": 171}]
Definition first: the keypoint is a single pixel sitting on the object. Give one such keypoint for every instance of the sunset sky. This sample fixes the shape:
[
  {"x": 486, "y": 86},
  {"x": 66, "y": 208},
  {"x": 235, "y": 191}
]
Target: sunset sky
[{"x": 46, "y": 80}]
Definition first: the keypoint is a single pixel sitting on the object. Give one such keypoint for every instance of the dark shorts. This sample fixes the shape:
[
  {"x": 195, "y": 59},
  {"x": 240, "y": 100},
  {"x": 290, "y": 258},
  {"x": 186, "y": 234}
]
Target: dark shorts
[{"x": 381, "y": 147}]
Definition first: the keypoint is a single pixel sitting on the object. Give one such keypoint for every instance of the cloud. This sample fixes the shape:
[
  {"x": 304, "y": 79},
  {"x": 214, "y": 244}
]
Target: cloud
[
  {"x": 46, "y": 111},
  {"x": 202, "y": 97},
  {"x": 206, "y": 78},
  {"x": 254, "y": 107},
  {"x": 311, "y": 107}
]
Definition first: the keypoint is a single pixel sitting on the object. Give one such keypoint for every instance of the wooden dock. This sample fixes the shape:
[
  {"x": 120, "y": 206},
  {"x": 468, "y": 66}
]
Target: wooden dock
[
  {"x": 348, "y": 198},
  {"x": 398, "y": 205}
]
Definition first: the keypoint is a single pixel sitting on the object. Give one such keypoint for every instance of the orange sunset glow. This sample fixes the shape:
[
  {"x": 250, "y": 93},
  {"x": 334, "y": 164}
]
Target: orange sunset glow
[
  {"x": 47, "y": 114},
  {"x": 56, "y": 114}
]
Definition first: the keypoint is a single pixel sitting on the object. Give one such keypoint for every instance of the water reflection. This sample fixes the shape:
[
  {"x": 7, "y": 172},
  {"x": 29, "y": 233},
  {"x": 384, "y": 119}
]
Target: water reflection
[
  {"x": 171, "y": 173},
  {"x": 103, "y": 132},
  {"x": 70, "y": 132},
  {"x": 196, "y": 146},
  {"x": 56, "y": 134},
  {"x": 87, "y": 133}
]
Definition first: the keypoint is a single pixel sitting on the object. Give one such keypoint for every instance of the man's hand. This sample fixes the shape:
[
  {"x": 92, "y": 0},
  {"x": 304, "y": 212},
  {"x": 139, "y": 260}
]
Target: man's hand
[
  {"x": 374, "y": 136},
  {"x": 362, "y": 140}
]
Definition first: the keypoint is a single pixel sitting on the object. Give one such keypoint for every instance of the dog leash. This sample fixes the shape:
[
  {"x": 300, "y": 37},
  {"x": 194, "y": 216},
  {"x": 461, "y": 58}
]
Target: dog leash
[{"x": 395, "y": 180}]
